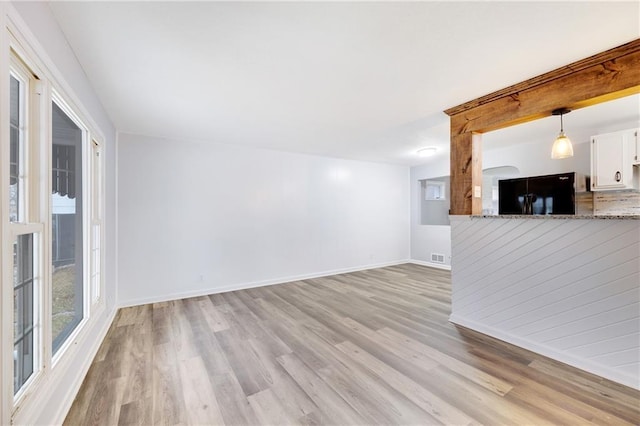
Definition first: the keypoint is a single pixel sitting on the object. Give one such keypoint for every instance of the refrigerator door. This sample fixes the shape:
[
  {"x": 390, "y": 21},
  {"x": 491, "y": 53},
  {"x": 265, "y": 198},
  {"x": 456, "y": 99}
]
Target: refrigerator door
[
  {"x": 553, "y": 194},
  {"x": 512, "y": 196}
]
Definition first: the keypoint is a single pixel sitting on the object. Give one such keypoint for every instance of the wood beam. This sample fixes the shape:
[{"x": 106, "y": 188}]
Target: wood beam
[{"x": 599, "y": 78}]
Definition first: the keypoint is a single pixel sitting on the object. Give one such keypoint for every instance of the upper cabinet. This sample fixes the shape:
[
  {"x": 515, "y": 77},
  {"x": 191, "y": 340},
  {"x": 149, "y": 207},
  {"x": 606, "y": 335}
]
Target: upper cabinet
[{"x": 613, "y": 156}]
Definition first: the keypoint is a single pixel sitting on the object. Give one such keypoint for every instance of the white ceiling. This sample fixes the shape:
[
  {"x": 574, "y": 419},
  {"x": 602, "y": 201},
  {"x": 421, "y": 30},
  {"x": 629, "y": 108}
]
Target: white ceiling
[{"x": 364, "y": 81}]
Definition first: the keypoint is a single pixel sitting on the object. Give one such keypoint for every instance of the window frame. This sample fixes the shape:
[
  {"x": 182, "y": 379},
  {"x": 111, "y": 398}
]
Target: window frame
[
  {"x": 16, "y": 72},
  {"x": 36, "y": 231},
  {"x": 43, "y": 89},
  {"x": 28, "y": 222},
  {"x": 86, "y": 243}
]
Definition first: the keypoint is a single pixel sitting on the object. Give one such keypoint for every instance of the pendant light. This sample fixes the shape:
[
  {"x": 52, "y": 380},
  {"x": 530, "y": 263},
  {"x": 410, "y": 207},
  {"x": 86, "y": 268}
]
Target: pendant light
[{"x": 562, "y": 147}]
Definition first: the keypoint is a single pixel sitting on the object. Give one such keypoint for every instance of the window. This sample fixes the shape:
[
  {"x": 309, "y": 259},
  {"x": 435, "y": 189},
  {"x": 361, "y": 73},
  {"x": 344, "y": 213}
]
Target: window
[
  {"x": 23, "y": 310},
  {"x": 434, "y": 207},
  {"x": 52, "y": 183},
  {"x": 25, "y": 234},
  {"x": 435, "y": 190},
  {"x": 16, "y": 150},
  {"x": 73, "y": 243},
  {"x": 67, "y": 281}
]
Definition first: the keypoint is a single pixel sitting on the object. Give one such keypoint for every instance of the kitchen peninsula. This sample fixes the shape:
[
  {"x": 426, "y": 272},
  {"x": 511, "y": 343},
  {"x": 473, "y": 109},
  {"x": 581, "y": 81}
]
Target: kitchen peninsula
[
  {"x": 563, "y": 286},
  {"x": 567, "y": 287}
]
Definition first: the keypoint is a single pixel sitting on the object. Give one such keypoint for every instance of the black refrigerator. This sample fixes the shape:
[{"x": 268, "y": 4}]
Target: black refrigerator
[{"x": 540, "y": 195}]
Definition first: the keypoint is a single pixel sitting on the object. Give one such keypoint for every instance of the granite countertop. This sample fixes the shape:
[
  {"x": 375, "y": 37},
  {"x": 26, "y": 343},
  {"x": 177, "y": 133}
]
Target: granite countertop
[{"x": 557, "y": 216}]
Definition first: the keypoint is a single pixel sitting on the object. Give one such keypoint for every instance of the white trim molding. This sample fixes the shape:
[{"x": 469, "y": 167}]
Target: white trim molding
[{"x": 253, "y": 284}]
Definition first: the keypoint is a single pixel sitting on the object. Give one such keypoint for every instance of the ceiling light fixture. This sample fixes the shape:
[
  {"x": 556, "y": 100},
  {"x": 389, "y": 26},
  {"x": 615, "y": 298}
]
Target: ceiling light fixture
[
  {"x": 427, "y": 152},
  {"x": 562, "y": 147}
]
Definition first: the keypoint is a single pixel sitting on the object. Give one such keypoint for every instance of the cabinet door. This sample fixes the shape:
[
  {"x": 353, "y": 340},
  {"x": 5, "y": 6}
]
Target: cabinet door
[{"x": 609, "y": 157}]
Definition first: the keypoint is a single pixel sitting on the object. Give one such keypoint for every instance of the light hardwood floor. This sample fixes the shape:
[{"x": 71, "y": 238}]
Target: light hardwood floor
[{"x": 371, "y": 347}]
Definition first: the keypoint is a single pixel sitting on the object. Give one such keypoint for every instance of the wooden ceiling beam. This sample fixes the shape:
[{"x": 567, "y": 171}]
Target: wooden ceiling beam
[{"x": 606, "y": 76}]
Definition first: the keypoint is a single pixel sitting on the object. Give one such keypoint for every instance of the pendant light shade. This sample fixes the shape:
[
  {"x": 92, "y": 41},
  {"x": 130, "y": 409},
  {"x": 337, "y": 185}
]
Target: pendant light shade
[{"x": 562, "y": 147}]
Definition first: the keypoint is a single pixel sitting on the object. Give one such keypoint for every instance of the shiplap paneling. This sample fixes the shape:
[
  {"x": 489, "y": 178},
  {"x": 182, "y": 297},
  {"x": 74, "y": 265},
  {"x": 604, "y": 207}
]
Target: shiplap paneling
[{"x": 568, "y": 288}]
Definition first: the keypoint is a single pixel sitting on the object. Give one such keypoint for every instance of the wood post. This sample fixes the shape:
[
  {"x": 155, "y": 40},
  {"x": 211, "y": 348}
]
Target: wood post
[{"x": 466, "y": 173}]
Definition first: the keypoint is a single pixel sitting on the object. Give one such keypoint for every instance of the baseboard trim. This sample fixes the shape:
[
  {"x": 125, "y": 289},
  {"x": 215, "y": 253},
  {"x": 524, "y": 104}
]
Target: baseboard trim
[
  {"x": 253, "y": 284},
  {"x": 561, "y": 356},
  {"x": 430, "y": 264}
]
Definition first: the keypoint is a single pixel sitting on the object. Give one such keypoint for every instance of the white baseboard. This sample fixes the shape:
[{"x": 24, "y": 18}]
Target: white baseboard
[
  {"x": 558, "y": 355},
  {"x": 253, "y": 284},
  {"x": 430, "y": 264}
]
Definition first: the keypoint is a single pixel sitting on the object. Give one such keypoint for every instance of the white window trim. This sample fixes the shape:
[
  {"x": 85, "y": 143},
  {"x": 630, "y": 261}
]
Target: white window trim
[
  {"x": 86, "y": 226},
  {"x": 16, "y": 36},
  {"x": 31, "y": 223},
  {"x": 16, "y": 71},
  {"x": 37, "y": 230}
]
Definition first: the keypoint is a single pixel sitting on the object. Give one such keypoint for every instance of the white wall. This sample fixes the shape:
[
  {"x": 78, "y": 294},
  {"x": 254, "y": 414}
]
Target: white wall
[
  {"x": 54, "y": 393},
  {"x": 197, "y": 218}
]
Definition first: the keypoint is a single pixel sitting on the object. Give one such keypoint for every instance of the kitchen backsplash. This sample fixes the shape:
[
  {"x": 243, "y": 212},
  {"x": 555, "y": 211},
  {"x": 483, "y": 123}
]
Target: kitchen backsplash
[
  {"x": 616, "y": 203},
  {"x": 584, "y": 203}
]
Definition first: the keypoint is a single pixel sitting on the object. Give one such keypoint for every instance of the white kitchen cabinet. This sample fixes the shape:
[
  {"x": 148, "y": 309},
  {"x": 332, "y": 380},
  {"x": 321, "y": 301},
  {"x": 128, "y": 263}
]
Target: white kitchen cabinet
[{"x": 612, "y": 161}]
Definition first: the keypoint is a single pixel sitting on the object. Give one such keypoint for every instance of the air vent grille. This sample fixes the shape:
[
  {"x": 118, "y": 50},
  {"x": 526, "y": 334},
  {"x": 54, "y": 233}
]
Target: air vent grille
[{"x": 437, "y": 258}]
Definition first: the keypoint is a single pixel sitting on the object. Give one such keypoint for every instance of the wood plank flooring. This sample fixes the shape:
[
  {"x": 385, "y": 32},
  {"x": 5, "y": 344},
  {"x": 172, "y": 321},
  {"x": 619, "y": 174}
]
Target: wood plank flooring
[{"x": 370, "y": 347}]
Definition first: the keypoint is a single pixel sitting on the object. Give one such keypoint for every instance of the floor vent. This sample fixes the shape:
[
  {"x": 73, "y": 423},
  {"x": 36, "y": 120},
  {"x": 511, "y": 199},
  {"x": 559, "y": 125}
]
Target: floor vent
[{"x": 437, "y": 258}]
